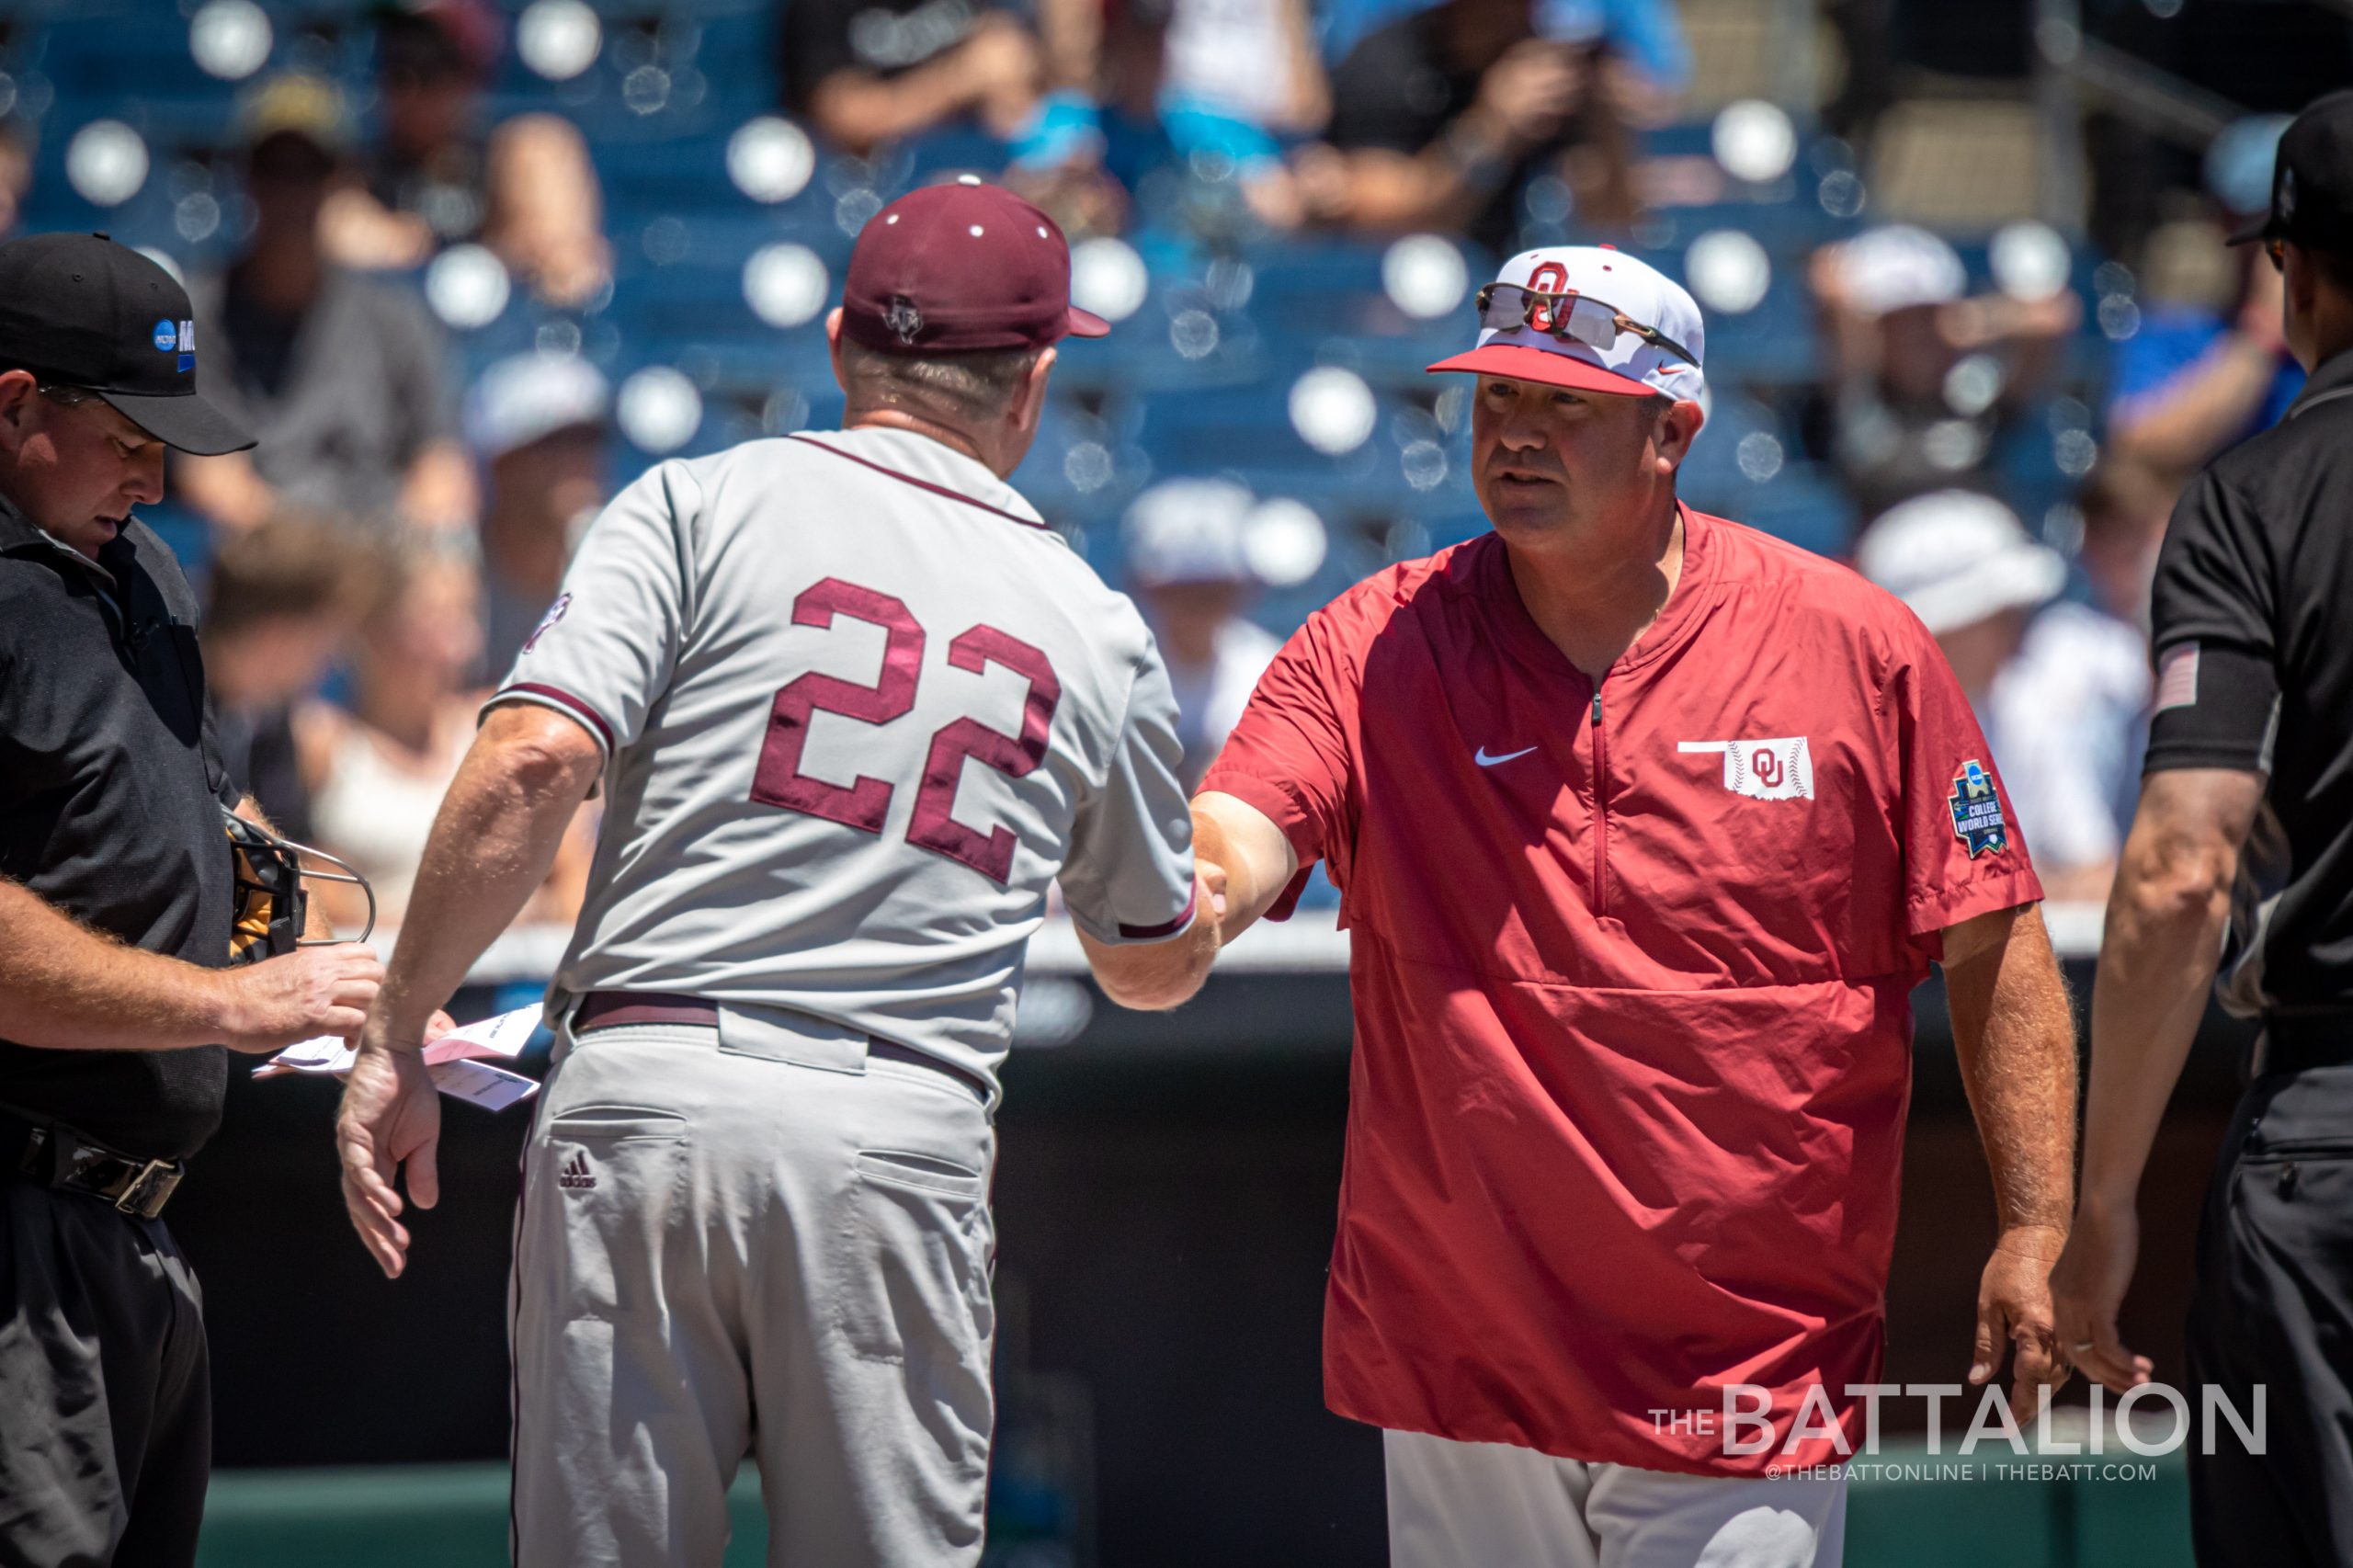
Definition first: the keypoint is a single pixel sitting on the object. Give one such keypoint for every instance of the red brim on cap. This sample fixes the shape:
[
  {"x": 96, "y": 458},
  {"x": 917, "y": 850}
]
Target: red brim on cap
[
  {"x": 1086, "y": 323},
  {"x": 1521, "y": 363}
]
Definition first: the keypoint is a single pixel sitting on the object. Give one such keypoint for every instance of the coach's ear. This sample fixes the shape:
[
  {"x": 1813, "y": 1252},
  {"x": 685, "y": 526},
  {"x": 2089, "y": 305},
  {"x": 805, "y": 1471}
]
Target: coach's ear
[
  {"x": 833, "y": 347},
  {"x": 19, "y": 389},
  {"x": 1031, "y": 406},
  {"x": 1672, "y": 437}
]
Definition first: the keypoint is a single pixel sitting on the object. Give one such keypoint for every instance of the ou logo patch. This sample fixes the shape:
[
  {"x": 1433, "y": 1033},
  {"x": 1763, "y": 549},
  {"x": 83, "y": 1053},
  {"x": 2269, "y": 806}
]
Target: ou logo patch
[
  {"x": 1550, "y": 278},
  {"x": 1777, "y": 770}
]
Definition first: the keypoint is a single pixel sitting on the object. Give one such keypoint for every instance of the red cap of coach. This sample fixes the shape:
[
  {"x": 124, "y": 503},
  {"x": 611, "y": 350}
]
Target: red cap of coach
[{"x": 958, "y": 268}]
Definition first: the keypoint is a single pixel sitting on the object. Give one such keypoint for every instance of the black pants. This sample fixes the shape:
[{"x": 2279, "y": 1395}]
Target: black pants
[
  {"x": 106, "y": 1395},
  {"x": 2274, "y": 1306}
]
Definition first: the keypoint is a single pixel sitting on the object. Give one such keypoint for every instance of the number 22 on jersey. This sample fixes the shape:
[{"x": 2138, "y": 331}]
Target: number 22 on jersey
[{"x": 866, "y": 804}]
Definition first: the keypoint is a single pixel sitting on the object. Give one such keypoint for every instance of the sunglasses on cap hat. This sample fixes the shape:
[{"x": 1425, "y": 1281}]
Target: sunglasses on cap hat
[{"x": 1568, "y": 315}]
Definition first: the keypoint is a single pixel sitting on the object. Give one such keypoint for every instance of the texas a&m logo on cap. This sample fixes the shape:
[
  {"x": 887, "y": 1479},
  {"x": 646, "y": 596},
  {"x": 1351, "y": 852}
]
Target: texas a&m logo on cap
[
  {"x": 1977, "y": 811},
  {"x": 904, "y": 318}
]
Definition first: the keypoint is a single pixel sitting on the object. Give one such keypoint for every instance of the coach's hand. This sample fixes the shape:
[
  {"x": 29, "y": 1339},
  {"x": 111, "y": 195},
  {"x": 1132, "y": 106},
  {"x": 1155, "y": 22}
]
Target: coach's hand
[
  {"x": 390, "y": 1119},
  {"x": 2090, "y": 1282},
  {"x": 2013, "y": 1307},
  {"x": 310, "y": 991}
]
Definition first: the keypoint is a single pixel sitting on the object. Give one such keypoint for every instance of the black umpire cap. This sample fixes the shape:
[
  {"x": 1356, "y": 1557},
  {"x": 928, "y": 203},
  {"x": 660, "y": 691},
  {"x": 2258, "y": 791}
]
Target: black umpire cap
[
  {"x": 81, "y": 310},
  {"x": 2312, "y": 183}
]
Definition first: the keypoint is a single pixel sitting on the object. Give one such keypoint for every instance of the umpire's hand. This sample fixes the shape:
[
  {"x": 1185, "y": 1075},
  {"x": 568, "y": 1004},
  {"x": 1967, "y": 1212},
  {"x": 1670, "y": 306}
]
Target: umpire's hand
[
  {"x": 391, "y": 1118},
  {"x": 298, "y": 996}
]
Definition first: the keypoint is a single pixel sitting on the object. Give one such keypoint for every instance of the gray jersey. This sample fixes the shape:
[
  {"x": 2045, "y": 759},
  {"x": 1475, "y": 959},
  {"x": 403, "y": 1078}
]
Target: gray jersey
[{"x": 859, "y": 706}]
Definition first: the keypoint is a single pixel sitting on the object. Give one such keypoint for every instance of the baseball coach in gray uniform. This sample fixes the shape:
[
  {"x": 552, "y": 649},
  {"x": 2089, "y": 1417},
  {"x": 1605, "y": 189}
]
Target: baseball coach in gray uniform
[{"x": 853, "y": 706}]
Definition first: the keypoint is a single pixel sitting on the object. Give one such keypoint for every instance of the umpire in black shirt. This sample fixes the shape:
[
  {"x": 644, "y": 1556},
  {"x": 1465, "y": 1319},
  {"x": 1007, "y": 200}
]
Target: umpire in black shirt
[
  {"x": 2241, "y": 856},
  {"x": 115, "y": 897}
]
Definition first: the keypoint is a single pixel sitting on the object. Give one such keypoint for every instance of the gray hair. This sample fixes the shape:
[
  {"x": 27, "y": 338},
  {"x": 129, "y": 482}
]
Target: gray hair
[{"x": 978, "y": 387}]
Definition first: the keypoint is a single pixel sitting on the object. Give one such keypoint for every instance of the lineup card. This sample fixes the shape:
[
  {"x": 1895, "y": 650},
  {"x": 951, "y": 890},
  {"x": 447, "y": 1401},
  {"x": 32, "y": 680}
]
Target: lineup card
[{"x": 457, "y": 1062}]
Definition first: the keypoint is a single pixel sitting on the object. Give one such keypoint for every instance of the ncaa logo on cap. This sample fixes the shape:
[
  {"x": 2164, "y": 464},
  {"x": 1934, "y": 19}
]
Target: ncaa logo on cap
[{"x": 180, "y": 337}]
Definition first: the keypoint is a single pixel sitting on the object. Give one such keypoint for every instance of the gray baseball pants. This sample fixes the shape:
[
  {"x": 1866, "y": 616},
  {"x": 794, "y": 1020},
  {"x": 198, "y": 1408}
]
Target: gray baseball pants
[
  {"x": 1454, "y": 1504},
  {"x": 723, "y": 1251}
]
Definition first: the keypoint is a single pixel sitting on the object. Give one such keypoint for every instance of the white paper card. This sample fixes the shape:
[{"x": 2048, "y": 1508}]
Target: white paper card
[
  {"x": 503, "y": 1037},
  {"x": 452, "y": 1060},
  {"x": 478, "y": 1083},
  {"x": 326, "y": 1054}
]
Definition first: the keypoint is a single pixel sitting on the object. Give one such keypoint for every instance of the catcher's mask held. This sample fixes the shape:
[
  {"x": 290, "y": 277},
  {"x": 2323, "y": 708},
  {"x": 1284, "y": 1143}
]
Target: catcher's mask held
[{"x": 271, "y": 906}]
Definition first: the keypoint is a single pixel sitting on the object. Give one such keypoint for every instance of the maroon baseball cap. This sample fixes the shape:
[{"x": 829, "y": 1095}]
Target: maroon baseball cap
[{"x": 958, "y": 268}]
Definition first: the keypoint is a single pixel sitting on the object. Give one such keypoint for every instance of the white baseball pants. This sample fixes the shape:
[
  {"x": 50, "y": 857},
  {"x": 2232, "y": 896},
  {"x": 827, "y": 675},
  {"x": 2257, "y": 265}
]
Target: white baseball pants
[
  {"x": 720, "y": 1253},
  {"x": 1491, "y": 1506}
]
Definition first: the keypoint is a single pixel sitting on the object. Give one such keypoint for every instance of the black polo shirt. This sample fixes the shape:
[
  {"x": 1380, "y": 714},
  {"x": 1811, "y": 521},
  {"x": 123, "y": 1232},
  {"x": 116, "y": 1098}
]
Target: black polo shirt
[
  {"x": 110, "y": 797},
  {"x": 2254, "y": 640}
]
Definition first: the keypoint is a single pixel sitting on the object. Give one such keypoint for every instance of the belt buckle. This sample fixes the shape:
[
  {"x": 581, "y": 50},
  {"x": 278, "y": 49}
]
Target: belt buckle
[{"x": 150, "y": 1189}]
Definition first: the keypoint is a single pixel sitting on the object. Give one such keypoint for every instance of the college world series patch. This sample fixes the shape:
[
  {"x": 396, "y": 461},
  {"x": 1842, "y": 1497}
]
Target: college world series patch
[{"x": 1977, "y": 811}]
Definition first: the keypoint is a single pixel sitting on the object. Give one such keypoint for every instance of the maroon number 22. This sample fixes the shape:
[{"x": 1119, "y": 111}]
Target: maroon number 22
[{"x": 866, "y": 804}]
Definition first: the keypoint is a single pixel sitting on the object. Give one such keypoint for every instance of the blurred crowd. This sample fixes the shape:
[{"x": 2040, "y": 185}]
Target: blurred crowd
[{"x": 382, "y": 554}]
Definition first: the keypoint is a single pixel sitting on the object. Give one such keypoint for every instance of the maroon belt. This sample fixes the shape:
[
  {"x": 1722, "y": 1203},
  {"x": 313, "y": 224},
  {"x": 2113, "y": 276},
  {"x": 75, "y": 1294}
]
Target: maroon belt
[{"x": 617, "y": 1009}]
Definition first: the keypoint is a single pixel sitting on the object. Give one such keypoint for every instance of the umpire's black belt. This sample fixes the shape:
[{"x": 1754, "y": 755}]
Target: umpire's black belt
[
  {"x": 616, "y": 1009},
  {"x": 55, "y": 1155},
  {"x": 2293, "y": 1042}
]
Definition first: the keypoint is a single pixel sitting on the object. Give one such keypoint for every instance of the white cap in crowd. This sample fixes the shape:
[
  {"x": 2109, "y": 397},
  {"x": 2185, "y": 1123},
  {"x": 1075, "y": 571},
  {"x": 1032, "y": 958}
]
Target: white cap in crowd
[
  {"x": 1956, "y": 557},
  {"x": 1630, "y": 329},
  {"x": 1896, "y": 267},
  {"x": 527, "y": 397},
  {"x": 1190, "y": 531}
]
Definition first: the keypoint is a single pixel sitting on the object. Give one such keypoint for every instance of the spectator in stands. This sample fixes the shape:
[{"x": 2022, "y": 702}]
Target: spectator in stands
[
  {"x": 2125, "y": 506},
  {"x": 527, "y": 190},
  {"x": 1923, "y": 378},
  {"x": 2062, "y": 695},
  {"x": 1234, "y": 78},
  {"x": 1192, "y": 581},
  {"x": 1237, "y": 77},
  {"x": 1442, "y": 111},
  {"x": 1228, "y": 79},
  {"x": 376, "y": 767},
  {"x": 2208, "y": 366},
  {"x": 16, "y": 173},
  {"x": 865, "y": 73},
  {"x": 278, "y": 602},
  {"x": 537, "y": 423},
  {"x": 341, "y": 376}
]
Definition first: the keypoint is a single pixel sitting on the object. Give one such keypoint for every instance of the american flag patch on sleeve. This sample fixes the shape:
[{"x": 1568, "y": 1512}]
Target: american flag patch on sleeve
[{"x": 2178, "y": 678}]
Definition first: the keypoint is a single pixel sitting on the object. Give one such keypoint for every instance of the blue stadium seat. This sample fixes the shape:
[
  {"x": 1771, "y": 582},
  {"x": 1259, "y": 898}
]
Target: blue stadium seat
[
  {"x": 1083, "y": 469},
  {"x": 1805, "y": 505},
  {"x": 1773, "y": 343}
]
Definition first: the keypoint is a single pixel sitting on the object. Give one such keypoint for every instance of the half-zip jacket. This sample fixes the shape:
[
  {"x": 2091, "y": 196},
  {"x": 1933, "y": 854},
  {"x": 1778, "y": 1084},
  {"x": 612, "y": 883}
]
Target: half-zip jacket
[
  {"x": 1631, "y": 966},
  {"x": 1601, "y": 813}
]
